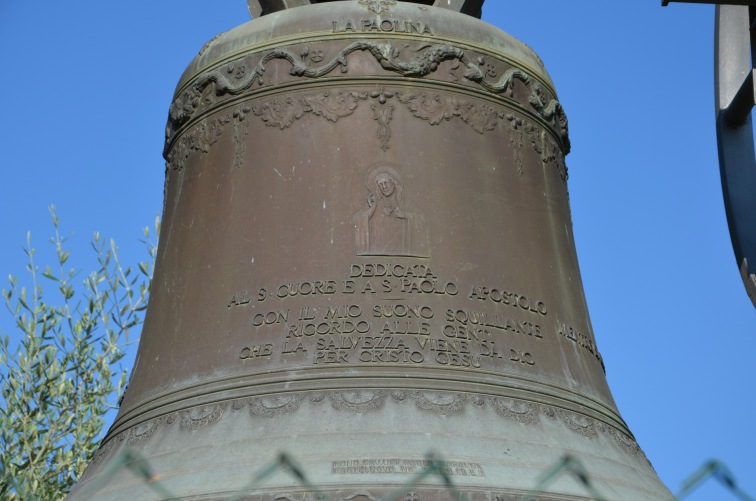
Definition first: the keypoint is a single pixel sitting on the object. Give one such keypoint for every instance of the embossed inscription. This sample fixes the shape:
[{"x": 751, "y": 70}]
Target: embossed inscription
[
  {"x": 508, "y": 298},
  {"x": 370, "y": 270},
  {"x": 308, "y": 288},
  {"x": 490, "y": 327},
  {"x": 580, "y": 339},
  {"x": 270, "y": 318},
  {"x": 384, "y": 348},
  {"x": 239, "y": 298},
  {"x": 404, "y": 279},
  {"x": 404, "y": 466},
  {"x": 256, "y": 351},
  {"x": 381, "y": 26},
  {"x": 472, "y": 323},
  {"x": 382, "y": 278}
]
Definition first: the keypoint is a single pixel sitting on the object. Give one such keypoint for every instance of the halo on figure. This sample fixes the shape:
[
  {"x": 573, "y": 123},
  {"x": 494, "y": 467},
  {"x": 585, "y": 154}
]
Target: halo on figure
[{"x": 379, "y": 168}]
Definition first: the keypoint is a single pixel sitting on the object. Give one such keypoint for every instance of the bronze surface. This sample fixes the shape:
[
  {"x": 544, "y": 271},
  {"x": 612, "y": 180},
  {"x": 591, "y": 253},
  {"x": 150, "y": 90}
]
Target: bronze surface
[{"x": 366, "y": 255}]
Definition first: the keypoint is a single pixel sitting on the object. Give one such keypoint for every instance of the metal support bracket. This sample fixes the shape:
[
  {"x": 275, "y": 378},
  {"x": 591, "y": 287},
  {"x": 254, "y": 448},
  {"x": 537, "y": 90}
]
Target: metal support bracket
[
  {"x": 259, "y": 8},
  {"x": 717, "y": 2},
  {"x": 739, "y": 109},
  {"x": 470, "y": 7},
  {"x": 734, "y": 91}
]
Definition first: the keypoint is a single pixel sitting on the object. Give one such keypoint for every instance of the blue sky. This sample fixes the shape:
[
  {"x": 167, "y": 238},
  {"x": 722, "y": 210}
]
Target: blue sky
[{"x": 86, "y": 91}]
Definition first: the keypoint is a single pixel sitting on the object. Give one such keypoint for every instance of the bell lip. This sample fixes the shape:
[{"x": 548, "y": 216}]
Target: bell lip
[
  {"x": 272, "y": 30},
  {"x": 599, "y": 406}
]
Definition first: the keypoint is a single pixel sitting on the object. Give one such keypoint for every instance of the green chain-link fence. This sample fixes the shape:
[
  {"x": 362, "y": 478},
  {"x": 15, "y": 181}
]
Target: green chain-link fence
[{"x": 567, "y": 465}]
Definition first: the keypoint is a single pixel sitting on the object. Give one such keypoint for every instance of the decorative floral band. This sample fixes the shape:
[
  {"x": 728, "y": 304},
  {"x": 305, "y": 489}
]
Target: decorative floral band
[
  {"x": 239, "y": 76},
  {"x": 367, "y": 401},
  {"x": 434, "y": 108}
]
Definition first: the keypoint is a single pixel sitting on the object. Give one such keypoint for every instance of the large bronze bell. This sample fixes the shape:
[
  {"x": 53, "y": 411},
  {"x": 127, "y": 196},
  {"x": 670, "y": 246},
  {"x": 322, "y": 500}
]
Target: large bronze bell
[{"x": 366, "y": 256}]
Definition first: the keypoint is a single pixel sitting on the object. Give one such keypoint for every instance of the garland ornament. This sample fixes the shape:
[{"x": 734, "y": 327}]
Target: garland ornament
[{"x": 235, "y": 79}]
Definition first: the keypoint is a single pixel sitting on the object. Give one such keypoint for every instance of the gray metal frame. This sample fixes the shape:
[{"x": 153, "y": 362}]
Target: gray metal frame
[
  {"x": 717, "y": 2},
  {"x": 734, "y": 92}
]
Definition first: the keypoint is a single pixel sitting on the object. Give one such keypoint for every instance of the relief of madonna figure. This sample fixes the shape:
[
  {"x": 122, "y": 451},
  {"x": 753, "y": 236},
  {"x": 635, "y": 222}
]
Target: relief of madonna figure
[{"x": 387, "y": 227}]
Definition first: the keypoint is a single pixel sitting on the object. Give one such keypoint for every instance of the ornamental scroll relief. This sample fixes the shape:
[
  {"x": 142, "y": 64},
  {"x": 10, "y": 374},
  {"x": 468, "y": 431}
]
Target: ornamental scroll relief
[
  {"x": 239, "y": 76},
  {"x": 377, "y": 6},
  {"x": 208, "y": 132},
  {"x": 434, "y": 108},
  {"x": 441, "y": 403}
]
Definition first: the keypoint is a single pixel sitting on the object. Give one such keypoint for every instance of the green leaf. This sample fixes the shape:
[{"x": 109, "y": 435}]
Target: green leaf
[
  {"x": 48, "y": 274},
  {"x": 144, "y": 268},
  {"x": 57, "y": 378}
]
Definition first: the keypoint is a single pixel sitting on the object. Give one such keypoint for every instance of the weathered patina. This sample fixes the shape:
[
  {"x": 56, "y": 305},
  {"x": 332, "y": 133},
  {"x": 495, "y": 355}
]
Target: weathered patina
[{"x": 367, "y": 255}]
